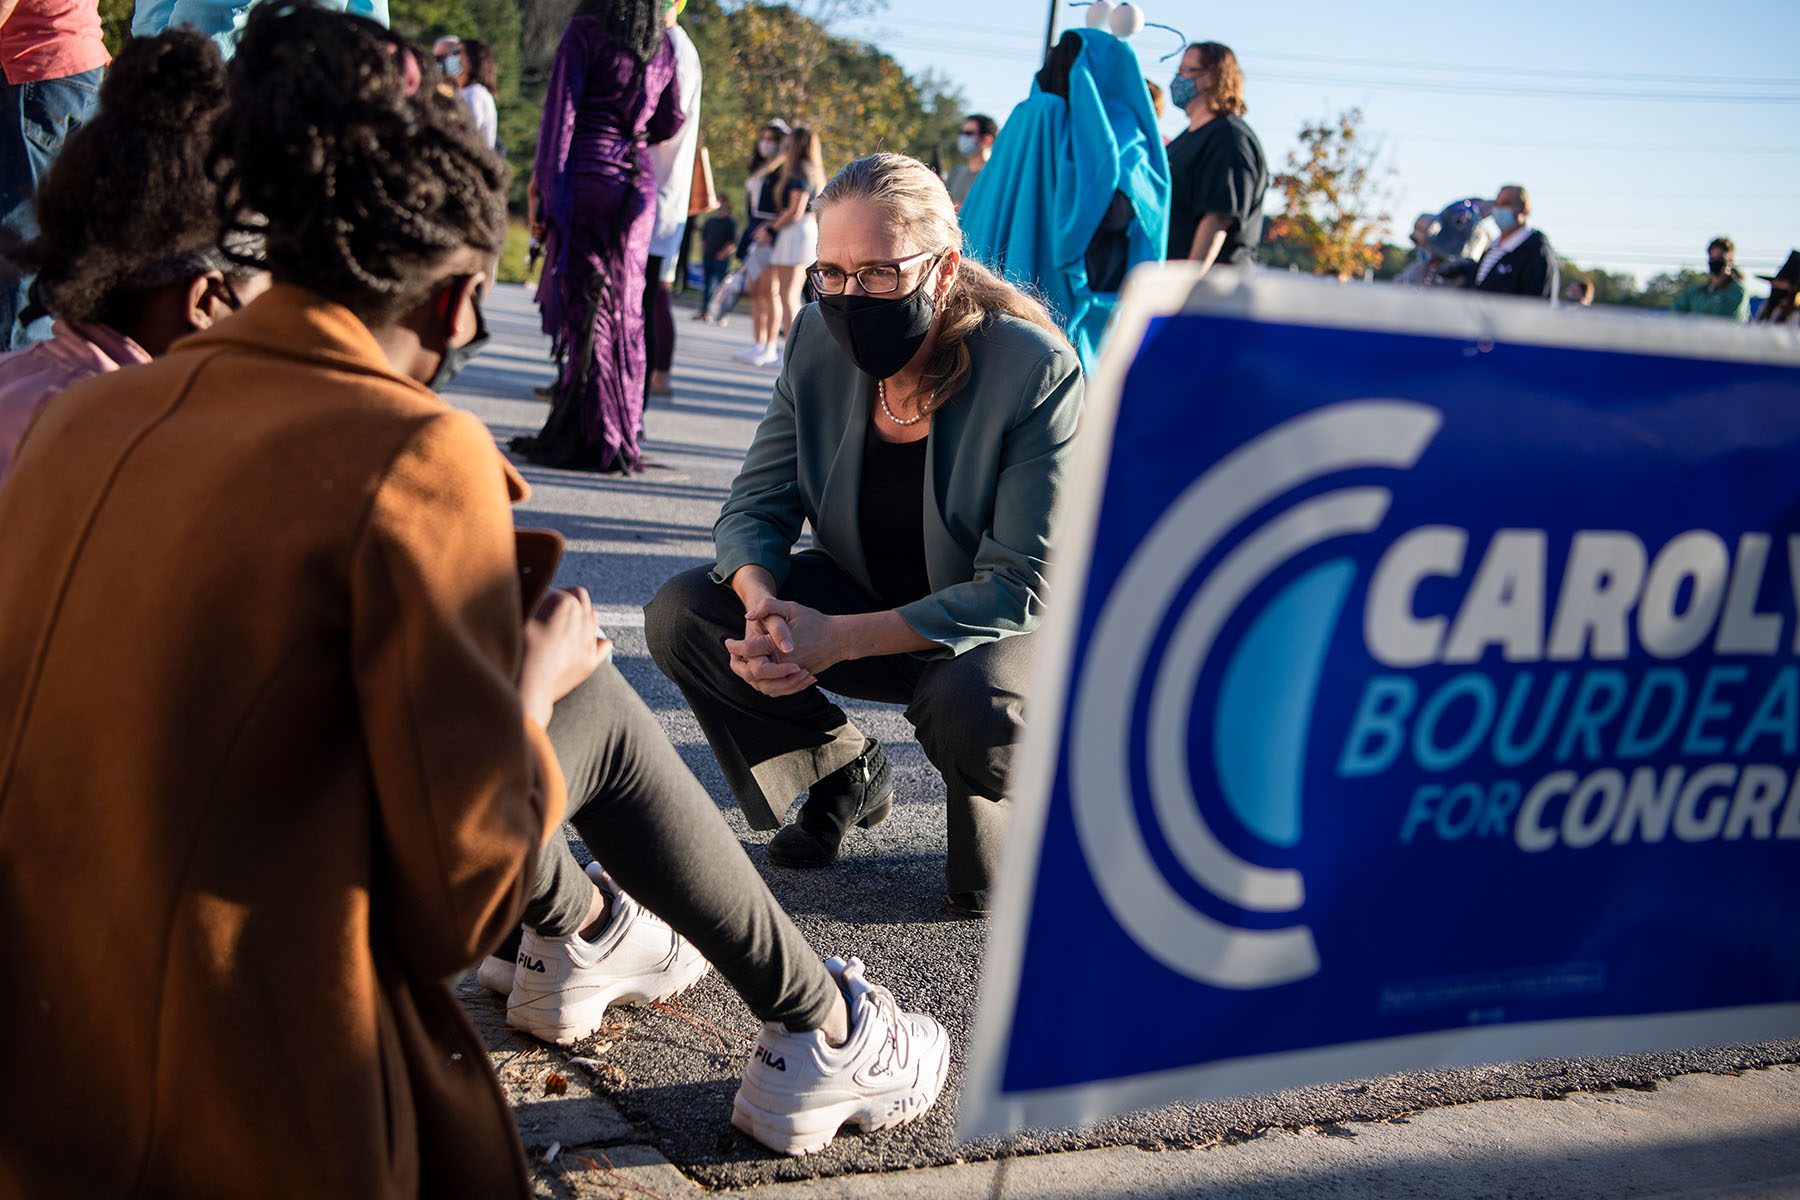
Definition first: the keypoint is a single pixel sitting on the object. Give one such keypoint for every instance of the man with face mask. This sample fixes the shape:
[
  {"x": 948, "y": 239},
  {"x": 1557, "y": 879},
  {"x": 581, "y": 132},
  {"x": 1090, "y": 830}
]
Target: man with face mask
[
  {"x": 1721, "y": 293},
  {"x": 1520, "y": 262},
  {"x": 974, "y": 143}
]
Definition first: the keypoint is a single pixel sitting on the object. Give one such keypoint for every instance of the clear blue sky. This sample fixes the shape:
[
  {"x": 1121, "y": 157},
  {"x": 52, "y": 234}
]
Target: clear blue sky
[{"x": 1642, "y": 129}]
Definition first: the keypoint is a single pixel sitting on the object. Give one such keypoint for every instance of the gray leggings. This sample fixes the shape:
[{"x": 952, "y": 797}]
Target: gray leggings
[{"x": 652, "y": 826}]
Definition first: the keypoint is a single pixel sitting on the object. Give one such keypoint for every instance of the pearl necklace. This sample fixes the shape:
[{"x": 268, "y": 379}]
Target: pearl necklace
[{"x": 881, "y": 394}]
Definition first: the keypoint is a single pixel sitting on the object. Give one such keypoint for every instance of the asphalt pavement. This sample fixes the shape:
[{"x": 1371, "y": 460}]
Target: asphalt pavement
[{"x": 664, "y": 1080}]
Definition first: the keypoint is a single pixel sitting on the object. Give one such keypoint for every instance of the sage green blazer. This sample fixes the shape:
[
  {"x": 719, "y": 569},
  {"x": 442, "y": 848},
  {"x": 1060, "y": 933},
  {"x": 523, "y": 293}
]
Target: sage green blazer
[{"x": 997, "y": 466}]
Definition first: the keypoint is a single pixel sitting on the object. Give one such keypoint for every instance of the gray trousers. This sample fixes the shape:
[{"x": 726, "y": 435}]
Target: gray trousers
[
  {"x": 652, "y": 826},
  {"x": 967, "y": 711}
]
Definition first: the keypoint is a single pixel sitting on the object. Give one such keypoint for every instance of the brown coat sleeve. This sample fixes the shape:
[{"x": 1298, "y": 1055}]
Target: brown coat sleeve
[{"x": 467, "y": 790}]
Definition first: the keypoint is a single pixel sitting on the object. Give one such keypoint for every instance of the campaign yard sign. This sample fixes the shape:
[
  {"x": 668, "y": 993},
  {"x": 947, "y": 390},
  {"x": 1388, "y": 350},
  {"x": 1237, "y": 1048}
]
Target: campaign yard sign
[{"x": 1421, "y": 687}]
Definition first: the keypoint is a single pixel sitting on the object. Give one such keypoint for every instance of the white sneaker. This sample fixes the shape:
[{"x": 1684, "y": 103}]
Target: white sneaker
[
  {"x": 799, "y": 1090},
  {"x": 769, "y": 358},
  {"x": 562, "y": 987},
  {"x": 496, "y": 975},
  {"x": 751, "y": 354}
]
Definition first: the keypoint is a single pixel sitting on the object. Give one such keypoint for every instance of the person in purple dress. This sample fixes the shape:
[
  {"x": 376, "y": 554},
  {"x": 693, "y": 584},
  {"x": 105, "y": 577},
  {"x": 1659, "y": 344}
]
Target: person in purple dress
[{"x": 612, "y": 94}]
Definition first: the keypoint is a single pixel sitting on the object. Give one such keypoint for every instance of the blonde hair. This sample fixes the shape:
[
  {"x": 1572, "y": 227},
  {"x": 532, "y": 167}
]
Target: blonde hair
[
  {"x": 915, "y": 199},
  {"x": 802, "y": 159}
]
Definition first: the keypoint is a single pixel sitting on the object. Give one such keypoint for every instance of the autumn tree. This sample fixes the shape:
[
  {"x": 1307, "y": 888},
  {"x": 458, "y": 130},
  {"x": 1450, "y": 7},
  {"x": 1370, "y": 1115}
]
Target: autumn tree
[
  {"x": 783, "y": 60},
  {"x": 1332, "y": 218},
  {"x": 759, "y": 60}
]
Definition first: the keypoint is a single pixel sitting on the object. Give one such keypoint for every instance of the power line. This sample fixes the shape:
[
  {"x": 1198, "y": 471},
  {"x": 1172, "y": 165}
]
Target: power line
[
  {"x": 1458, "y": 69},
  {"x": 1476, "y": 87},
  {"x": 1657, "y": 260},
  {"x": 1532, "y": 72},
  {"x": 1469, "y": 83},
  {"x": 1624, "y": 147}
]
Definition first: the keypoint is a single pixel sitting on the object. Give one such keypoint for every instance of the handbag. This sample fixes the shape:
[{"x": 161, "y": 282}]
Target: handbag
[{"x": 703, "y": 196}]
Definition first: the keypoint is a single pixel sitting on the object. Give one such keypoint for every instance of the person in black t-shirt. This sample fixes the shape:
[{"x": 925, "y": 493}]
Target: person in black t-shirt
[{"x": 1217, "y": 167}]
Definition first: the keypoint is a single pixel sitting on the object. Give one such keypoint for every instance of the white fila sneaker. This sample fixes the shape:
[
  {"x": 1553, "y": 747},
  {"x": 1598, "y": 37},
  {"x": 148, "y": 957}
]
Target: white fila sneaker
[
  {"x": 799, "y": 1090},
  {"x": 562, "y": 987}
]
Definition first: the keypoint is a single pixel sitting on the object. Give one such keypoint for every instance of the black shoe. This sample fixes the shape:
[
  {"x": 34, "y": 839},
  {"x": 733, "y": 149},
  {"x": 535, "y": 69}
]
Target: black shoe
[
  {"x": 968, "y": 904},
  {"x": 858, "y": 793}
]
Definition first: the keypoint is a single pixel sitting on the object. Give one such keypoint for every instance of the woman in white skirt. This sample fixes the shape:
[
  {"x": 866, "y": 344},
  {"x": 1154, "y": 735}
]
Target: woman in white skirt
[
  {"x": 762, "y": 205},
  {"x": 794, "y": 234}
]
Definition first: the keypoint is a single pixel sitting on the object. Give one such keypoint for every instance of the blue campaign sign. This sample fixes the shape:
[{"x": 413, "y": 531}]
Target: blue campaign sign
[{"x": 1421, "y": 687}]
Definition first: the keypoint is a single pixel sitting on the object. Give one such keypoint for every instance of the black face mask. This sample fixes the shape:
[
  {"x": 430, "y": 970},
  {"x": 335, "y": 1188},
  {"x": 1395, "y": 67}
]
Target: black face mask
[
  {"x": 881, "y": 333},
  {"x": 1717, "y": 265},
  {"x": 457, "y": 357}
]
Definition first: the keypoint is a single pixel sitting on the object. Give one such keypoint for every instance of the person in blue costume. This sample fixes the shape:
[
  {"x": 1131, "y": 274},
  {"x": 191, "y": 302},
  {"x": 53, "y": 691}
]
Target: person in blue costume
[
  {"x": 1077, "y": 190},
  {"x": 223, "y": 20}
]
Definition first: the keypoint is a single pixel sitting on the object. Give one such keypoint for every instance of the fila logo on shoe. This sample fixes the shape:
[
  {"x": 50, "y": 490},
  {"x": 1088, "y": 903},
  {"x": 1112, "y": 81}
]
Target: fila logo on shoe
[
  {"x": 530, "y": 963},
  {"x": 770, "y": 1061}
]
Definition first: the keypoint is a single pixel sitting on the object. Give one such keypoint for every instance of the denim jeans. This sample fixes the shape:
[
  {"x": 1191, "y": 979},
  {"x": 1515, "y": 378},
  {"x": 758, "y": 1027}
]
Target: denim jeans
[{"x": 35, "y": 118}]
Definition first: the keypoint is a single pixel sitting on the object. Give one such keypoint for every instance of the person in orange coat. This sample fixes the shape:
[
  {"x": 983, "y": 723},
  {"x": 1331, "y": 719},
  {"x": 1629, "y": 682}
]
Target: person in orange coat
[
  {"x": 281, "y": 752},
  {"x": 272, "y": 759}
]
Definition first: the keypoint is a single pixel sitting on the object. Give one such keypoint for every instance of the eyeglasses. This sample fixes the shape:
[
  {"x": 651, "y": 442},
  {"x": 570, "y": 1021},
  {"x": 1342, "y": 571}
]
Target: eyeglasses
[{"x": 878, "y": 279}]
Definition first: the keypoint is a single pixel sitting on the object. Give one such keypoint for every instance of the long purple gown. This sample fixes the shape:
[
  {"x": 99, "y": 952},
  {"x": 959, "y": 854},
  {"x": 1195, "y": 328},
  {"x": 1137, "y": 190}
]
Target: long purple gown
[{"x": 603, "y": 110}]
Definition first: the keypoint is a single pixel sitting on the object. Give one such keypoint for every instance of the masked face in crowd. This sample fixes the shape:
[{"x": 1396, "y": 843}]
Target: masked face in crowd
[
  {"x": 1509, "y": 210},
  {"x": 465, "y": 330},
  {"x": 878, "y": 293},
  {"x": 449, "y": 59},
  {"x": 1718, "y": 260},
  {"x": 1188, "y": 83}
]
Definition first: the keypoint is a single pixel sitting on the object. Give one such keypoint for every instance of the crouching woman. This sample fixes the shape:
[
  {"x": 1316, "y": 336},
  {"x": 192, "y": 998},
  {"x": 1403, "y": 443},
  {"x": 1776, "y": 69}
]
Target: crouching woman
[{"x": 922, "y": 426}]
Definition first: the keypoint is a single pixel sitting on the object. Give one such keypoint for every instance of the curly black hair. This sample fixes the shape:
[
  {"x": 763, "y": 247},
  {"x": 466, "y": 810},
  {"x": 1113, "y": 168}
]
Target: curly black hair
[
  {"x": 638, "y": 24},
  {"x": 362, "y": 172},
  {"x": 129, "y": 194}
]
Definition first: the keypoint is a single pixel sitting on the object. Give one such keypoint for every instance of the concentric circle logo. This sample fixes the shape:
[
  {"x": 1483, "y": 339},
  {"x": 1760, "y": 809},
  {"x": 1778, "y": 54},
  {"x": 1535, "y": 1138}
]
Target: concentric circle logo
[{"x": 1258, "y": 740}]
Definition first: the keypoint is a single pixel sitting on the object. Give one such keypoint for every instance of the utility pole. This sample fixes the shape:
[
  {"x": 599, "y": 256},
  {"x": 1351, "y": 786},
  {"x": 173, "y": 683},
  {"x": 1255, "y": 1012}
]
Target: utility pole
[{"x": 1050, "y": 29}]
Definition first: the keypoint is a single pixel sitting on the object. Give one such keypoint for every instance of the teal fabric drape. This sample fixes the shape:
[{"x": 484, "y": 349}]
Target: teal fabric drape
[{"x": 1055, "y": 168}]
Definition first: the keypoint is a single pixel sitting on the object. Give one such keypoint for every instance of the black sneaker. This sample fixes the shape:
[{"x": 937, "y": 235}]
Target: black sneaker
[{"x": 859, "y": 793}]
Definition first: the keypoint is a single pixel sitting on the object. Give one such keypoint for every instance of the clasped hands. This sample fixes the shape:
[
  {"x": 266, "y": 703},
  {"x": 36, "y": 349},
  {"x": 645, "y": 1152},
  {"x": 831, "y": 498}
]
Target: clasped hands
[{"x": 785, "y": 647}]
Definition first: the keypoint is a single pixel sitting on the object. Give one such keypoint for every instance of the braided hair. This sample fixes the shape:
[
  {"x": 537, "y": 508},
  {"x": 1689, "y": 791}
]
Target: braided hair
[
  {"x": 128, "y": 205},
  {"x": 635, "y": 24},
  {"x": 362, "y": 174}
]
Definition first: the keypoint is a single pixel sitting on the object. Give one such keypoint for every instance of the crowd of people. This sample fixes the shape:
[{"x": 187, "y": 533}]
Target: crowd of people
[{"x": 344, "y": 729}]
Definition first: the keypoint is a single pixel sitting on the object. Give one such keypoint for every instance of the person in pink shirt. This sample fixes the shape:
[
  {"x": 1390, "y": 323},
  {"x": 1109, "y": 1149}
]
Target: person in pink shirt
[
  {"x": 31, "y": 376},
  {"x": 128, "y": 255},
  {"x": 51, "y": 60}
]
